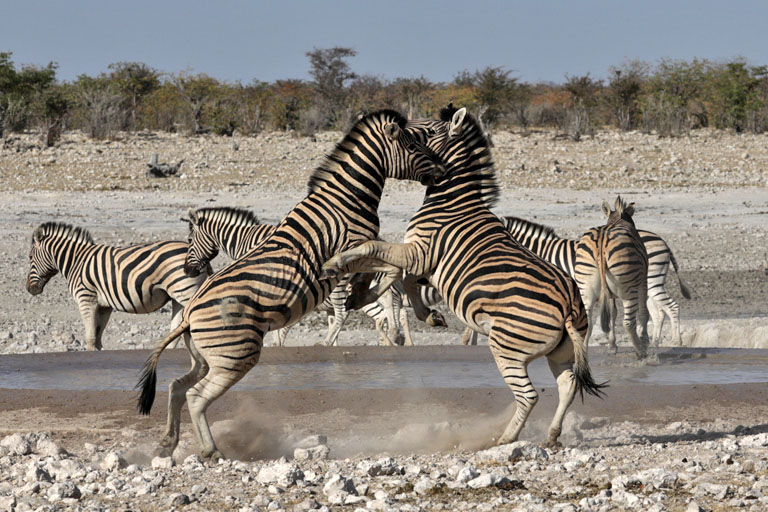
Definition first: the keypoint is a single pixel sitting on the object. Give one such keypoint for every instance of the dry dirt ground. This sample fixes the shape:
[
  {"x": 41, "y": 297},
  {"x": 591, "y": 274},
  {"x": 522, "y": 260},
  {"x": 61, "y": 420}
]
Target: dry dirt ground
[{"x": 705, "y": 195}]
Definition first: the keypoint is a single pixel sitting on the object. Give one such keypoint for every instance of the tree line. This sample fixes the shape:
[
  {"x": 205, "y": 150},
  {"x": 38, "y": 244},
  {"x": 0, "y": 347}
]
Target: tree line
[{"x": 668, "y": 98}]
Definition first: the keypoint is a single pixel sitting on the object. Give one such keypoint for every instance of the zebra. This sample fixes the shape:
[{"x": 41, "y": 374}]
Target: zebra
[
  {"x": 278, "y": 282},
  {"x": 611, "y": 262},
  {"x": 235, "y": 231},
  {"x": 562, "y": 252},
  {"x": 135, "y": 279},
  {"x": 527, "y": 306}
]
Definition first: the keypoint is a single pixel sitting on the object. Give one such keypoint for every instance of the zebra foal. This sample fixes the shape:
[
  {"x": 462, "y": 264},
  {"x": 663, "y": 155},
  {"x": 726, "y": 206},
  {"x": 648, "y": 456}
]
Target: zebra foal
[
  {"x": 528, "y": 307},
  {"x": 278, "y": 282},
  {"x": 135, "y": 279}
]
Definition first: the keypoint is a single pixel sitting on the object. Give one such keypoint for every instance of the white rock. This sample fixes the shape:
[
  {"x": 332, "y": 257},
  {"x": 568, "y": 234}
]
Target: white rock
[
  {"x": 755, "y": 440},
  {"x": 512, "y": 451},
  {"x": 339, "y": 483},
  {"x": 16, "y": 444},
  {"x": 319, "y": 452},
  {"x": 466, "y": 474},
  {"x": 283, "y": 474},
  {"x": 485, "y": 480},
  {"x": 423, "y": 485},
  {"x": 37, "y": 474},
  {"x": 163, "y": 463},
  {"x": 59, "y": 491},
  {"x": 113, "y": 461},
  {"x": 48, "y": 447}
]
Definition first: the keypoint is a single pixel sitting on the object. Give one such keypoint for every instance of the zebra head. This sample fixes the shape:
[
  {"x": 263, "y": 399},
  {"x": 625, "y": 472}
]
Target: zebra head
[
  {"x": 54, "y": 249},
  {"x": 386, "y": 146},
  {"x": 202, "y": 245},
  {"x": 622, "y": 211},
  {"x": 42, "y": 266}
]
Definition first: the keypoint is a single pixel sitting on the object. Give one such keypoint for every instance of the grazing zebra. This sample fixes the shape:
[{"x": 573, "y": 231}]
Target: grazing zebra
[
  {"x": 134, "y": 279},
  {"x": 278, "y": 282},
  {"x": 528, "y": 307},
  {"x": 611, "y": 262},
  {"x": 562, "y": 252},
  {"x": 237, "y": 231}
]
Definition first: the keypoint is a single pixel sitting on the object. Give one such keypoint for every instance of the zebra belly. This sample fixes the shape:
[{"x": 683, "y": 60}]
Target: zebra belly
[{"x": 147, "y": 304}]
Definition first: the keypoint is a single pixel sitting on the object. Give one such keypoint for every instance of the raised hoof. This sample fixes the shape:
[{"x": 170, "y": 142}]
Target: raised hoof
[
  {"x": 435, "y": 319},
  {"x": 328, "y": 273},
  {"x": 553, "y": 445}
]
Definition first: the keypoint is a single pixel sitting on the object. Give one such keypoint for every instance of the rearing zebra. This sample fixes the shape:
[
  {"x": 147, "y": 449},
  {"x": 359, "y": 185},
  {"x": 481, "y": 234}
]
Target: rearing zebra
[
  {"x": 277, "y": 283},
  {"x": 135, "y": 279},
  {"x": 237, "y": 231},
  {"x": 528, "y": 307},
  {"x": 562, "y": 252}
]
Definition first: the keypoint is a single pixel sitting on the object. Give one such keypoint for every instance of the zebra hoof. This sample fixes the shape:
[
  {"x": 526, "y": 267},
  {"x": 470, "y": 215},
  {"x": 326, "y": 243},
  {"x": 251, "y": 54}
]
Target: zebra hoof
[{"x": 436, "y": 319}]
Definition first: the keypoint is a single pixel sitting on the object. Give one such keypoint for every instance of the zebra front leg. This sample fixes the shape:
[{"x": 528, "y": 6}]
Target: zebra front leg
[
  {"x": 515, "y": 374},
  {"x": 338, "y": 298},
  {"x": 89, "y": 313},
  {"x": 469, "y": 337},
  {"x": 403, "y": 314},
  {"x": 431, "y": 317},
  {"x": 102, "y": 319}
]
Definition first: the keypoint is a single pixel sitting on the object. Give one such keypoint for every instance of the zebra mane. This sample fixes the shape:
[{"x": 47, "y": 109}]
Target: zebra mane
[
  {"x": 324, "y": 171},
  {"x": 481, "y": 166},
  {"x": 233, "y": 215},
  {"x": 538, "y": 229},
  {"x": 62, "y": 230}
]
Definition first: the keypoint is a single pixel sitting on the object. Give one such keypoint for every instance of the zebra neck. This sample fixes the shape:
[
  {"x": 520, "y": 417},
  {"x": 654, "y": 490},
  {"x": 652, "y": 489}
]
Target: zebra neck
[{"x": 69, "y": 257}]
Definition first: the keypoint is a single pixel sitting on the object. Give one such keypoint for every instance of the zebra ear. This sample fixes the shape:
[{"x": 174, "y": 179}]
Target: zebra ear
[
  {"x": 619, "y": 205},
  {"x": 456, "y": 121},
  {"x": 630, "y": 209},
  {"x": 606, "y": 209},
  {"x": 37, "y": 236},
  {"x": 193, "y": 216},
  {"x": 392, "y": 131}
]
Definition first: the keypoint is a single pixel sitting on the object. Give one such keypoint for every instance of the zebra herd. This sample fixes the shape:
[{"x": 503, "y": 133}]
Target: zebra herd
[{"x": 532, "y": 293}]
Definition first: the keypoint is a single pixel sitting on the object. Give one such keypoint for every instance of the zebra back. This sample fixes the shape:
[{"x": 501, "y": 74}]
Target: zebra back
[{"x": 543, "y": 242}]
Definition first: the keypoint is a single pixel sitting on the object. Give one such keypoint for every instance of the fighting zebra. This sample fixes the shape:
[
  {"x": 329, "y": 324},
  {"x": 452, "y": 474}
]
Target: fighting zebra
[
  {"x": 528, "y": 307},
  {"x": 611, "y": 262},
  {"x": 278, "y": 282},
  {"x": 562, "y": 252},
  {"x": 235, "y": 231},
  {"x": 134, "y": 279}
]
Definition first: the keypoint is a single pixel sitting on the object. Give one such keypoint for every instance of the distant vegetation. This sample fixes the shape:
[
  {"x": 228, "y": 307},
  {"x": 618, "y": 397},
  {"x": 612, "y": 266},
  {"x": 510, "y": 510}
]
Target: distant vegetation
[{"x": 669, "y": 98}]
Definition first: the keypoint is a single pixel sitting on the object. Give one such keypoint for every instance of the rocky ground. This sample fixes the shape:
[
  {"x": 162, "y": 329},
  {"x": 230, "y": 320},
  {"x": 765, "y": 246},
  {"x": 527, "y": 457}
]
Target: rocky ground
[{"x": 661, "y": 450}]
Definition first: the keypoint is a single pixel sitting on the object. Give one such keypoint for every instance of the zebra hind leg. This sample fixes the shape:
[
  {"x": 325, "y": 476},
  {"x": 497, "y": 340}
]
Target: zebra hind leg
[
  {"x": 219, "y": 378},
  {"x": 566, "y": 390},
  {"x": 657, "y": 318},
  {"x": 612, "y": 326},
  {"x": 177, "y": 391},
  {"x": 515, "y": 374}
]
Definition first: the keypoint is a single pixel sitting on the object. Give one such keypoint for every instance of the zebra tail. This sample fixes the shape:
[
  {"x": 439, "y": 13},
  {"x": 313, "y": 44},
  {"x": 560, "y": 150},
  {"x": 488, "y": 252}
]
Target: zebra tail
[
  {"x": 581, "y": 371},
  {"x": 148, "y": 375},
  {"x": 683, "y": 287}
]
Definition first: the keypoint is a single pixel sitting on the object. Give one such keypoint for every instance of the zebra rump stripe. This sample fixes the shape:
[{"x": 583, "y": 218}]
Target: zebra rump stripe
[{"x": 276, "y": 283}]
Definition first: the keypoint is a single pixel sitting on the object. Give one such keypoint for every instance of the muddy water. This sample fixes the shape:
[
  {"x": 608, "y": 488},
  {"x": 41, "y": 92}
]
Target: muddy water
[{"x": 380, "y": 368}]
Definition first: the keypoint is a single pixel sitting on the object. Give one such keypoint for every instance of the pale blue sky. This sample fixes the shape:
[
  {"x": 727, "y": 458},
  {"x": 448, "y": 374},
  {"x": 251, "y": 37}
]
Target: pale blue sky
[{"x": 245, "y": 40}]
